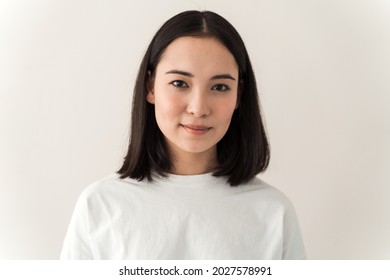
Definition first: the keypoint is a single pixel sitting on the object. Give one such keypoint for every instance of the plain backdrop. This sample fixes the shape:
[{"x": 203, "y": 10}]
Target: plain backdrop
[{"x": 67, "y": 70}]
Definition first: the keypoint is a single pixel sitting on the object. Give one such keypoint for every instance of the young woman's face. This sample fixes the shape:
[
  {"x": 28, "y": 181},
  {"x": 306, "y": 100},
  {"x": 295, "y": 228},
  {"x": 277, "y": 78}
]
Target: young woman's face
[{"x": 194, "y": 93}]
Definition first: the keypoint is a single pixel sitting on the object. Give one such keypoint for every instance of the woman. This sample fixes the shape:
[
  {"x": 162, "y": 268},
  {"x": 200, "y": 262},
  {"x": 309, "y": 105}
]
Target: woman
[{"x": 187, "y": 188}]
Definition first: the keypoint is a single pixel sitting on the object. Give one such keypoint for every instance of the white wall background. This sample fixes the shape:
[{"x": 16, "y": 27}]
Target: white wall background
[{"x": 67, "y": 69}]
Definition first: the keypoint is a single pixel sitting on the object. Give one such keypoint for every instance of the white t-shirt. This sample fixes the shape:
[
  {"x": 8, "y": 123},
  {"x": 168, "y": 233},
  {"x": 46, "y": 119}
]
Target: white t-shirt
[{"x": 182, "y": 217}]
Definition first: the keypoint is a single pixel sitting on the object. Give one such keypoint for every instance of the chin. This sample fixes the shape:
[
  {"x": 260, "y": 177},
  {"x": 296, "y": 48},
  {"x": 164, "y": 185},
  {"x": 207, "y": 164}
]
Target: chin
[{"x": 196, "y": 150}]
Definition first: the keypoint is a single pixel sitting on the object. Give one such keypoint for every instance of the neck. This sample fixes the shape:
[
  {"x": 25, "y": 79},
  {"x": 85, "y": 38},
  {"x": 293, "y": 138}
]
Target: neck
[{"x": 185, "y": 163}]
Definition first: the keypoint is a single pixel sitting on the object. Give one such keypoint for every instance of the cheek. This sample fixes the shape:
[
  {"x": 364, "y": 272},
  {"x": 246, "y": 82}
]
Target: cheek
[
  {"x": 167, "y": 106},
  {"x": 225, "y": 110}
]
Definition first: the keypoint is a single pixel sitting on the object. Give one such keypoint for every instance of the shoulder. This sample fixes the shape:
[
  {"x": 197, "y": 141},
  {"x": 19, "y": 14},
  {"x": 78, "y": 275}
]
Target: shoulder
[
  {"x": 110, "y": 187},
  {"x": 262, "y": 192}
]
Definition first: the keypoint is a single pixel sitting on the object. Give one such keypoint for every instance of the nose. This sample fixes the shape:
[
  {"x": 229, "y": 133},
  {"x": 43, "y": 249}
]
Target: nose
[{"x": 198, "y": 104}]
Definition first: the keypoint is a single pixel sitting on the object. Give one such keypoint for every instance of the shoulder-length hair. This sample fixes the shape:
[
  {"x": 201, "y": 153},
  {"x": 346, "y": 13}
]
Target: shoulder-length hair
[{"x": 243, "y": 152}]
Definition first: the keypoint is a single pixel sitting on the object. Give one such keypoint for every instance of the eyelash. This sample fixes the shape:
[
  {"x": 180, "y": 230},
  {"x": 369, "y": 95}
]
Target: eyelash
[
  {"x": 226, "y": 88},
  {"x": 182, "y": 85}
]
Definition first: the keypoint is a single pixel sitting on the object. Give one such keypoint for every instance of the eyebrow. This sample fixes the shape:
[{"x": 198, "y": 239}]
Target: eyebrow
[{"x": 187, "y": 74}]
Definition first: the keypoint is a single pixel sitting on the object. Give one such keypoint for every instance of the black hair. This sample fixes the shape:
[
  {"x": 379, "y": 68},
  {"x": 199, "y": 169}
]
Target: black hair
[{"x": 243, "y": 152}]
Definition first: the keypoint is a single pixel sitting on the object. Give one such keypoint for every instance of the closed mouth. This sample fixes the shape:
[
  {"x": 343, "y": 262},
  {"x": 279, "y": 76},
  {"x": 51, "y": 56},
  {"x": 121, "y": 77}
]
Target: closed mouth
[{"x": 196, "y": 129}]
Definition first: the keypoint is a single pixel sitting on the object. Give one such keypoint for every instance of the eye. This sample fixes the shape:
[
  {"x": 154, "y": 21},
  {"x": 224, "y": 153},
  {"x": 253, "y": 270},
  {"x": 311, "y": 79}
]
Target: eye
[
  {"x": 179, "y": 84},
  {"x": 220, "y": 87}
]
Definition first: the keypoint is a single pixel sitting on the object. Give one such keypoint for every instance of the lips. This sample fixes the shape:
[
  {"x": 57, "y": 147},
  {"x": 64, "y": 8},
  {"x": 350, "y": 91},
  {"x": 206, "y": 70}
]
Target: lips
[{"x": 196, "y": 129}]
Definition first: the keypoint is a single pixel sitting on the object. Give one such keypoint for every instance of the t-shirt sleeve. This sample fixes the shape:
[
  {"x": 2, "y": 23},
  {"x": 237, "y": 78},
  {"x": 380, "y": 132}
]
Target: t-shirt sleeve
[
  {"x": 77, "y": 244},
  {"x": 293, "y": 246}
]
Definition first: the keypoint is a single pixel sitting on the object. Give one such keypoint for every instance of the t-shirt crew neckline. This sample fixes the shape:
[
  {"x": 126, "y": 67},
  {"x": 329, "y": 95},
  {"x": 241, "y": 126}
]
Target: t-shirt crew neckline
[{"x": 188, "y": 180}]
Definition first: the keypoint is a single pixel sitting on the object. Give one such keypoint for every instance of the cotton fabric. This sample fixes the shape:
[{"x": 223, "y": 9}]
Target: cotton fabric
[{"x": 182, "y": 217}]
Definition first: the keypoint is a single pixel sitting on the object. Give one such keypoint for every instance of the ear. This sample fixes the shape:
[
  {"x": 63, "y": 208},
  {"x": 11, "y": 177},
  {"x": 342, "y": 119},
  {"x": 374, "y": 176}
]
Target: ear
[
  {"x": 239, "y": 93},
  {"x": 150, "y": 88}
]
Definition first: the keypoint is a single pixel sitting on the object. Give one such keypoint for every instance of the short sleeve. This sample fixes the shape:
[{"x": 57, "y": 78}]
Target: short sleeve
[
  {"x": 77, "y": 244},
  {"x": 293, "y": 246}
]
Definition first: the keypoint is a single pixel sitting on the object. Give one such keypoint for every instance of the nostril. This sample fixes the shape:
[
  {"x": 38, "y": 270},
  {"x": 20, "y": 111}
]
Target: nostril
[
  {"x": 199, "y": 113},
  {"x": 198, "y": 109}
]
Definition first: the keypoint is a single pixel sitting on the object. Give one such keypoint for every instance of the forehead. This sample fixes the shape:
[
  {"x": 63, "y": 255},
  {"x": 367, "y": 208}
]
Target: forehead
[{"x": 198, "y": 54}]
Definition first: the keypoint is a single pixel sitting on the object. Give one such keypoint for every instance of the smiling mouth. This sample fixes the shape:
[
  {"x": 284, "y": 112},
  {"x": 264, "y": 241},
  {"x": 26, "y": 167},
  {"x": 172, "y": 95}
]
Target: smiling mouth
[{"x": 196, "y": 129}]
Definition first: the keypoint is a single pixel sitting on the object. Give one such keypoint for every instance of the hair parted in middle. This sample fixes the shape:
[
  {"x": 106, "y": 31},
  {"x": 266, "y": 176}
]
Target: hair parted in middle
[{"x": 243, "y": 152}]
